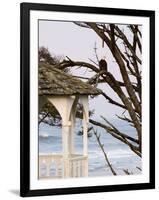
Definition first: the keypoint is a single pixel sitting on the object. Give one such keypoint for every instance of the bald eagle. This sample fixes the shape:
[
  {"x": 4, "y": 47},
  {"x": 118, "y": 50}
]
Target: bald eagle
[{"x": 103, "y": 65}]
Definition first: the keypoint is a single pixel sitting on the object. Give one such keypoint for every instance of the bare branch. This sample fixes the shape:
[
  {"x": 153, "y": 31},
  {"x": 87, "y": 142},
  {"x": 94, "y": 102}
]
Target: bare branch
[
  {"x": 125, "y": 119},
  {"x": 113, "y": 102},
  {"x": 135, "y": 31},
  {"x": 42, "y": 119},
  {"x": 119, "y": 133},
  {"x": 127, "y": 43},
  {"x": 95, "y": 50},
  {"x": 66, "y": 64},
  {"x": 117, "y": 136},
  {"x": 103, "y": 150},
  {"x": 127, "y": 172},
  {"x": 139, "y": 168}
]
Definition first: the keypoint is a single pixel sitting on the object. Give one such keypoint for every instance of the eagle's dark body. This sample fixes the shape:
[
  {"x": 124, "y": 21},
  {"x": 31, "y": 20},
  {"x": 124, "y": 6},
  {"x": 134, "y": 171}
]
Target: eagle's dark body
[{"x": 103, "y": 65}]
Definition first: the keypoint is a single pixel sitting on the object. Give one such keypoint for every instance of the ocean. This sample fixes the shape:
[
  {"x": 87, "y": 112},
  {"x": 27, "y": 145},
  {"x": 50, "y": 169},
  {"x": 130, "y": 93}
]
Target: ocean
[{"x": 120, "y": 156}]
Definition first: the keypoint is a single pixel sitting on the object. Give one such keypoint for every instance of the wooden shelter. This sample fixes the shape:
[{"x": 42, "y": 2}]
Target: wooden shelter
[{"x": 64, "y": 91}]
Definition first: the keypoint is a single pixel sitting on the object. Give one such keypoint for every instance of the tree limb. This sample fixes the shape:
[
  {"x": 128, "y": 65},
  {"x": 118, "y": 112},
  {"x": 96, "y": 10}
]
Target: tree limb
[
  {"x": 118, "y": 136},
  {"x": 103, "y": 150}
]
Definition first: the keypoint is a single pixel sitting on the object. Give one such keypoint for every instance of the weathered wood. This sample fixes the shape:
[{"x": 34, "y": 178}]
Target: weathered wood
[{"x": 53, "y": 81}]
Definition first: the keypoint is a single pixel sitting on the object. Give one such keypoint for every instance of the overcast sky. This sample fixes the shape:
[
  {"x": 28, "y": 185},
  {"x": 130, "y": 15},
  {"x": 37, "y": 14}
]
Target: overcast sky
[{"x": 68, "y": 39}]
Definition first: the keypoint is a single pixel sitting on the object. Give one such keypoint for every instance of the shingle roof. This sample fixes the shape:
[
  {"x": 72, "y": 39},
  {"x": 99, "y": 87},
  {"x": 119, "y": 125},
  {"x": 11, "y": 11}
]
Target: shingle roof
[{"x": 53, "y": 81}]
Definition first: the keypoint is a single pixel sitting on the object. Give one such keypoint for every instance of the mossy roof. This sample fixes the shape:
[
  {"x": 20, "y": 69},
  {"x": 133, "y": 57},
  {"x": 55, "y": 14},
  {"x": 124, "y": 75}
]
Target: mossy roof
[{"x": 53, "y": 81}]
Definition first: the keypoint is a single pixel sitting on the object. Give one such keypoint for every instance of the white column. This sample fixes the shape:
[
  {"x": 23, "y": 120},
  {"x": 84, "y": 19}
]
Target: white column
[
  {"x": 72, "y": 127},
  {"x": 84, "y": 101},
  {"x": 85, "y": 137},
  {"x": 64, "y": 106},
  {"x": 71, "y": 134},
  {"x": 65, "y": 132},
  {"x": 65, "y": 149}
]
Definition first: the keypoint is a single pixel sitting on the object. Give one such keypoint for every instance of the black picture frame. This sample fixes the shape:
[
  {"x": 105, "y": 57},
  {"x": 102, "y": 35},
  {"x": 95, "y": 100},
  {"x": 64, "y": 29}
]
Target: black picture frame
[{"x": 25, "y": 9}]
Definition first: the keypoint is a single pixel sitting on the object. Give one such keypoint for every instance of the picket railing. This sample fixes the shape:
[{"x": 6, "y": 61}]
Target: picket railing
[{"x": 56, "y": 166}]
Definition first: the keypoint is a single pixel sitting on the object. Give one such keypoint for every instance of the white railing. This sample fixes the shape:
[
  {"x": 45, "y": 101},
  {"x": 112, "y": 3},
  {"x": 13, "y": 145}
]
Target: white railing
[
  {"x": 78, "y": 166},
  {"x": 50, "y": 165},
  {"x": 56, "y": 166}
]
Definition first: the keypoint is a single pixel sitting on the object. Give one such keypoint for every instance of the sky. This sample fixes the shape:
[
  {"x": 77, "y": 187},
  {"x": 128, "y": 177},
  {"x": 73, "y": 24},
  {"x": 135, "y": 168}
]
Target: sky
[{"x": 69, "y": 39}]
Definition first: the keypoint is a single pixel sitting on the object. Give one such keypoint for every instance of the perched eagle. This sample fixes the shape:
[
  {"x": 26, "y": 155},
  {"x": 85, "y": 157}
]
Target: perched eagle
[{"x": 103, "y": 64}]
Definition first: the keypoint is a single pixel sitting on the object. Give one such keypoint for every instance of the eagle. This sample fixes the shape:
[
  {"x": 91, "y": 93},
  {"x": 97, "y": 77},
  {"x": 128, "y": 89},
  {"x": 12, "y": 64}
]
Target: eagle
[{"x": 103, "y": 64}]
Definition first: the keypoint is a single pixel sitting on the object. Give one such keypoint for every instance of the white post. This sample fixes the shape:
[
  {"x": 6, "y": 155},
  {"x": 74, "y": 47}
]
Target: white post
[
  {"x": 85, "y": 137},
  {"x": 65, "y": 132},
  {"x": 85, "y": 144},
  {"x": 84, "y": 101},
  {"x": 72, "y": 167},
  {"x": 71, "y": 134},
  {"x": 72, "y": 127},
  {"x": 65, "y": 140}
]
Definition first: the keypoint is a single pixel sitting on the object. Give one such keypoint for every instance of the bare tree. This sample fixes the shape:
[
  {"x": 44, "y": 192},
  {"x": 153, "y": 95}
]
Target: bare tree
[{"x": 126, "y": 48}]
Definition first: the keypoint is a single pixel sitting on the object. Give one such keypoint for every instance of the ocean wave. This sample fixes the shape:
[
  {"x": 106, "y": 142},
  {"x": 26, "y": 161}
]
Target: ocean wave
[
  {"x": 115, "y": 153},
  {"x": 44, "y": 135},
  {"x": 120, "y": 153}
]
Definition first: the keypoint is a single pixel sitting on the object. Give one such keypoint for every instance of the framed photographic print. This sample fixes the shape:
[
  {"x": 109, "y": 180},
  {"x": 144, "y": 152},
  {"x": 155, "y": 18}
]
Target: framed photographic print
[{"x": 87, "y": 99}]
